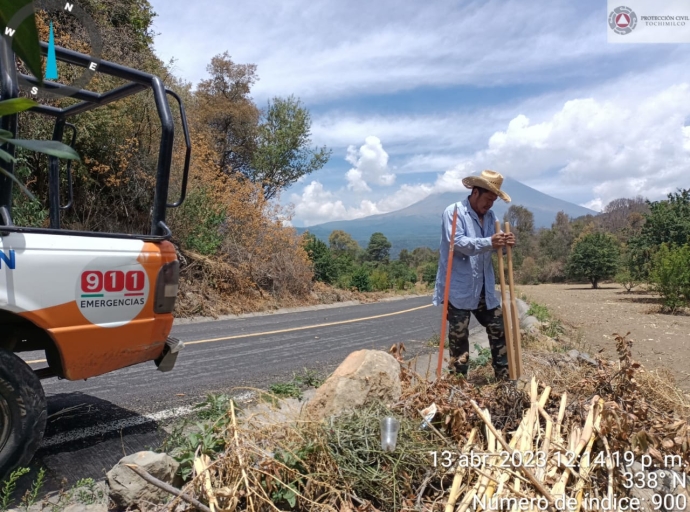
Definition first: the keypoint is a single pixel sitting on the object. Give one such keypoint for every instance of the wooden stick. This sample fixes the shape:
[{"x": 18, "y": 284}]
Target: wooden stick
[
  {"x": 487, "y": 485},
  {"x": 537, "y": 484},
  {"x": 517, "y": 351},
  {"x": 512, "y": 369},
  {"x": 167, "y": 488},
  {"x": 585, "y": 462},
  {"x": 239, "y": 455},
  {"x": 459, "y": 473},
  {"x": 201, "y": 465},
  {"x": 609, "y": 466},
  {"x": 444, "y": 317},
  {"x": 561, "y": 414},
  {"x": 579, "y": 443}
]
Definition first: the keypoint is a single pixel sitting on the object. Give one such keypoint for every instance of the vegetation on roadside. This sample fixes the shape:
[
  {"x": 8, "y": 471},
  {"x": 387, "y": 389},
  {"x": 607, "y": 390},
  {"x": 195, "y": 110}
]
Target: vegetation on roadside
[
  {"x": 199, "y": 433},
  {"x": 632, "y": 242},
  {"x": 9, "y": 486},
  {"x": 204, "y": 431},
  {"x": 344, "y": 264},
  {"x": 295, "y": 387}
]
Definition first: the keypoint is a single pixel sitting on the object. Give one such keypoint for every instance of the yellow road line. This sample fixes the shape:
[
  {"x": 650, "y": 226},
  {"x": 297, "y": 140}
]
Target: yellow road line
[{"x": 292, "y": 329}]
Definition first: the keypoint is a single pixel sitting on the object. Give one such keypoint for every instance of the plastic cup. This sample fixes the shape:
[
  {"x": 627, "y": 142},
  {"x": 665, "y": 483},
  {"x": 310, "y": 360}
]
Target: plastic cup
[{"x": 389, "y": 433}]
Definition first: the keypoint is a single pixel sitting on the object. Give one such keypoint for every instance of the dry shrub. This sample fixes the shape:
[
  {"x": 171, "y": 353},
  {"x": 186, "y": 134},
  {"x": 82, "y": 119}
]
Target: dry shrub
[
  {"x": 659, "y": 387},
  {"x": 255, "y": 241},
  {"x": 551, "y": 271},
  {"x": 241, "y": 255},
  {"x": 338, "y": 465},
  {"x": 528, "y": 273}
]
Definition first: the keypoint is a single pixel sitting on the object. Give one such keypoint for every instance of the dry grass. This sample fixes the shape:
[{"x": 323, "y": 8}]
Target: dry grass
[{"x": 338, "y": 465}]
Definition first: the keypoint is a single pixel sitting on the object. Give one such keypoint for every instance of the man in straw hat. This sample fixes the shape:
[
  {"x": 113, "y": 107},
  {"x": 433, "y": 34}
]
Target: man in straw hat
[{"x": 472, "y": 283}]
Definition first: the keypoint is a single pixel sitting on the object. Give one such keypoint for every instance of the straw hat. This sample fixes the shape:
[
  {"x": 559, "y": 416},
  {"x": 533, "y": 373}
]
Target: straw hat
[{"x": 489, "y": 180}]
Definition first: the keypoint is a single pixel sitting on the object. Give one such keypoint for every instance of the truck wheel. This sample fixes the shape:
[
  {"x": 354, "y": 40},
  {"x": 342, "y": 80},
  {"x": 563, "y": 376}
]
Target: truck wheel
[{"x": 22, "y": 413}]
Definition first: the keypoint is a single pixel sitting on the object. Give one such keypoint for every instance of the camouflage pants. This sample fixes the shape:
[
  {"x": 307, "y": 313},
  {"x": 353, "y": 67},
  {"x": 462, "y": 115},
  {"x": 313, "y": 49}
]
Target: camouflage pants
[{"x": 459, "y": 337}]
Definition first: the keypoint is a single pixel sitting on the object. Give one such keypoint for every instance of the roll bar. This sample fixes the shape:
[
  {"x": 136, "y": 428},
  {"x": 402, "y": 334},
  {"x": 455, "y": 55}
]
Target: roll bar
[{"x": 89, "y": 100}]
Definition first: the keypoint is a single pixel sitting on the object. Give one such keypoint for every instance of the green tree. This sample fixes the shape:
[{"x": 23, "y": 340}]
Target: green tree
[
  {"x": 199, "y": 222},
  {"x": 325, "y": 269},
  {"x": 342, "y": 244},
  {"x": 594, "y": 257},
  {"x": 379, "y": 248},
  {"x": 360, "y": 280},
  {"x": 429, "y": 273},
  {"x": 422, "y": 255},
  {"x": 380, "y": 280},
  {"x": 670, "y": 275},
  {"x": 400, "y": 274},
  {"x": 282, "y": 154},
  {"x": 555, "y": 243},
  {"x": 405, "y": 257},
  {"x": 668, "y": 222},
  {"x": 225, "y": 106}
]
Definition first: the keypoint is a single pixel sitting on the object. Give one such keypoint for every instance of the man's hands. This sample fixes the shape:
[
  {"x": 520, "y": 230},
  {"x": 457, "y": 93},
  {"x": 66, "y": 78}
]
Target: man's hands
[{"x": 502, "y": 239}]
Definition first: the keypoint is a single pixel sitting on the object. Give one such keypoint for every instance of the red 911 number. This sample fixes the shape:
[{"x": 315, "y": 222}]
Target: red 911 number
[{"x": 113, "y": 281}]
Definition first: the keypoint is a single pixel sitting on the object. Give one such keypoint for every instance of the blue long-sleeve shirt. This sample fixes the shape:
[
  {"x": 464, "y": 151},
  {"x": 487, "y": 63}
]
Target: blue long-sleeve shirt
[{"x": 472, "y": 268}]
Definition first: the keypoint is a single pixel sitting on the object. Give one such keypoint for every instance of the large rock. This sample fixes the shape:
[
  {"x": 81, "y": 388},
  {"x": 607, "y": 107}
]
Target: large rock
[
  {"x": 128, "y": 489},
  {"x": 364, "y": 377}
]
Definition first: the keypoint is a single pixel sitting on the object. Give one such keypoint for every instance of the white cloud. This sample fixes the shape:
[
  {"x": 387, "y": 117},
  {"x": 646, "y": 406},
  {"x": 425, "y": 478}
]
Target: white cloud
[
  {"x": 331, "y": 49},
  {"x": 595, "y": 204},
  {"x": 316, "y": 205},
  {"x": 616, "y": 146},
  {"x": 611, "y": 147},
  {"x": 370, "y": 165}
]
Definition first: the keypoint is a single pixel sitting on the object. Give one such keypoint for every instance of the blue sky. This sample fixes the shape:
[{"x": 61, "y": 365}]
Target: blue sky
[{"x": 412, "y": 96}]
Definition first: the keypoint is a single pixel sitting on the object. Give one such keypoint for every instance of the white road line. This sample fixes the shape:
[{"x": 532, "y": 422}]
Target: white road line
[
  {"x": 113, "y": 426},
  {"x": 132, "y": 421}
]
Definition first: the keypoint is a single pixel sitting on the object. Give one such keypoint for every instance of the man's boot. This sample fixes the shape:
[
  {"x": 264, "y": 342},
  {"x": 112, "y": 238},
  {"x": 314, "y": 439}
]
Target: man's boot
[{"x": 501, "y": 373}]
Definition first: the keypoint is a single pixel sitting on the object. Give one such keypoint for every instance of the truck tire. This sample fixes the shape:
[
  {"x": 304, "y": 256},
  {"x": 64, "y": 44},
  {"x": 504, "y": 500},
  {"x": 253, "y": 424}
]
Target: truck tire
[{"x": 22, "y": 413}]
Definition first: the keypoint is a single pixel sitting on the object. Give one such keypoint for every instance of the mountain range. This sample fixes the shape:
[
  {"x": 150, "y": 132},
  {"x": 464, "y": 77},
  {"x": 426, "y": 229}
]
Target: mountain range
[{"x": 420, "y": 223}]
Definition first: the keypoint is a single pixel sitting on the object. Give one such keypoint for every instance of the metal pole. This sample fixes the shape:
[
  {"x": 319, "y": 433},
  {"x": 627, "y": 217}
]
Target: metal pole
[
  {"x": 54, "y": 178},
  {"x": 8, "y": 89},
  {"x": 160, "y": 198},
  {"x": 449, "y": 266}
]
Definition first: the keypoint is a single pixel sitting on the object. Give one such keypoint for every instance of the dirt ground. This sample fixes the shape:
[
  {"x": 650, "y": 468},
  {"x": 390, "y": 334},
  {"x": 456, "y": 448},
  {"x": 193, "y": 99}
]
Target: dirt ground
[{"x": 660, "y": 341}]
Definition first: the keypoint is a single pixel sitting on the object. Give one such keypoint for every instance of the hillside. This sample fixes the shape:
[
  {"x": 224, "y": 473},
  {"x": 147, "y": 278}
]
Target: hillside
[{"x": 419, "y": 224}]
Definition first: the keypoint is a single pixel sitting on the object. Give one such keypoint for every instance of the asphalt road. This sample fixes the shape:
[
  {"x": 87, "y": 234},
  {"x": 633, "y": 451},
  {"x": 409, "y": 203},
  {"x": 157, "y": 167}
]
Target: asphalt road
[
  {"x": 93, "y": 423},
  {"x": 254, "y": 351}
]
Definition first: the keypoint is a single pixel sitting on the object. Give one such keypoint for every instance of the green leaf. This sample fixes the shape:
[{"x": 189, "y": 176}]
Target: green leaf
[
  {"x": 49, "y": 147},
  {"x": 290, "y": 496},
  {"x": 15, "y": 105},
  {"x": 6, "y": 134},
  {"x": 6, "y": 156},
  {"x": 19, "y": 183},
  {"x": 25, "y": 39}
]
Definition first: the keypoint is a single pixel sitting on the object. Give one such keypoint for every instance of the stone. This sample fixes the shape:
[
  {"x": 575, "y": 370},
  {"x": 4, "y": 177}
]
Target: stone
[
  {"x": 129, "y": 489},
  {"x": 665, "y": 482},
  {"x": 573, "y": 354},
  {"x": 587, "y": 359},
  {"x": 529, "y": 321},
  {"x": 365, "y": 376},
  {"x": 522, "y": 308},
  {"x": 82, "y": 507}
]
